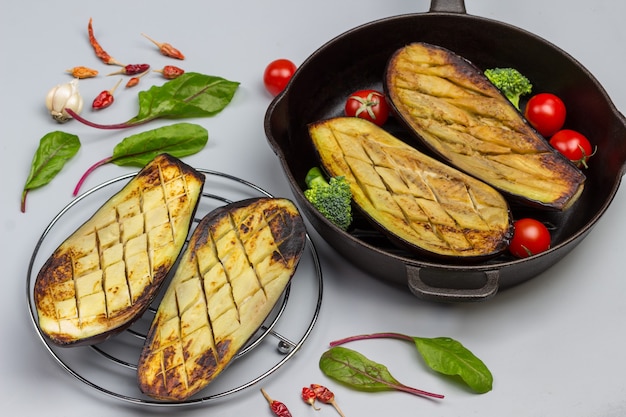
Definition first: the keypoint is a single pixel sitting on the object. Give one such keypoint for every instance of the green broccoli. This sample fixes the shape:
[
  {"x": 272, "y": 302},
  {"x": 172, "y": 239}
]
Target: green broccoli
[
  {"x": 331, "y": 198},
  {"x": 510, "y": 82}
]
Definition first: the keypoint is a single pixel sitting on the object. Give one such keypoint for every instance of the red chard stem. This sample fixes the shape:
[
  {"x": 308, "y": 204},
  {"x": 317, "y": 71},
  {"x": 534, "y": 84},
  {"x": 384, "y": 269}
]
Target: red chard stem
[
  {"x": 371, "y": 336},
  {"x": 23, "y": 202},
  {"x": 89, "y": 171},
  {"x": 416, "y": 391},
  {"x": 101, "y": 126}
]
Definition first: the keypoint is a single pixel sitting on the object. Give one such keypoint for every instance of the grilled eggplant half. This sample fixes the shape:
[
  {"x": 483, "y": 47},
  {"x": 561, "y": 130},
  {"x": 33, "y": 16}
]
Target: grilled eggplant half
[
  {"x": 460, "y": 115},
  {"x": 417, "y": 201},
  {"x": 105, "y": 275},
  {"x": 238, "y": 263}
]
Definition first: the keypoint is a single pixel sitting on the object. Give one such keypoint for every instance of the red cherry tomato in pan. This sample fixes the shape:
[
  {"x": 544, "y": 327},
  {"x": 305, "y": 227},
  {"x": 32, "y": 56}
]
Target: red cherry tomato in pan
[
  {"x": 573, "y": 145},
  {"x": 530, "y": 237},
  {"x": 277, "y": 75},
  {"x": 369, "y": 105},
  {"x": 546, "y": 113}
]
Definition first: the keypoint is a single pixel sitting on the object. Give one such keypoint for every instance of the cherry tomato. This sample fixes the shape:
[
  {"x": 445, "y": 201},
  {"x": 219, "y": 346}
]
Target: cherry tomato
[
  {"x": 574, "y": 145},
  {"x": 530, "y": 237},
  {"x": 546, "y": 113},
  {"x": 369, "y": 105},
  {"x": 277, "y": 75}
]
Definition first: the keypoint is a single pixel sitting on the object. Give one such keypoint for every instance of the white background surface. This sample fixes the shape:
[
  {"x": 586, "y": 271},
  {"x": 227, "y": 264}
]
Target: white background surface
[{"x": 555, "y": 344}]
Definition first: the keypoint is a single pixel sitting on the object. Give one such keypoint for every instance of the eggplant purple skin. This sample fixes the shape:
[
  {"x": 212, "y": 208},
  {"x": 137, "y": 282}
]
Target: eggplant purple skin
[
  {"x": 51, "y": 271},
  {"x": 434, "y": 257},
  {"x": 139, "y": 308},
  {"x": 289, "y": 232},
  {"x": 475, "y": 75},
  {"x": 366, "y": 220},
  {"x": 358, "y": 58}
]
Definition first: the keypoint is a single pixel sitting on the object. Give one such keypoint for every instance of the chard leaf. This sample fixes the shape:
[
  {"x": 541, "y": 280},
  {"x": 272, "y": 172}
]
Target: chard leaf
[
  {"x": 179, "y": 140},
  {"x": 356, "y": 371},
  {"x": 55, "y": 149},
  {"x": 449, "y": 357},
  {"x": 442, "y": 354},
  {"x": 190, "y": 95}
]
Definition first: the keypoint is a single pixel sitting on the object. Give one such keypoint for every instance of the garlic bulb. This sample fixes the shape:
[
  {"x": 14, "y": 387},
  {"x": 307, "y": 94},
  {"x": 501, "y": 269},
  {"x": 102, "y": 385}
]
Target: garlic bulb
[{"x": 64, "y": 96}]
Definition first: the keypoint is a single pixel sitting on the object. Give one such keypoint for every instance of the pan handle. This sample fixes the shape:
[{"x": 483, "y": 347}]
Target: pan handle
[
  {"x": 449, "y": 6},
  {"x": 435, "y": 293}
]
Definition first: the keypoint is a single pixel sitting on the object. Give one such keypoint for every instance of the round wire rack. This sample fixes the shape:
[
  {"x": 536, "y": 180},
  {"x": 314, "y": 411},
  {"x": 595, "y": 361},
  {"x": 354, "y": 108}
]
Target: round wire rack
[{"x": 110, "y": 367}]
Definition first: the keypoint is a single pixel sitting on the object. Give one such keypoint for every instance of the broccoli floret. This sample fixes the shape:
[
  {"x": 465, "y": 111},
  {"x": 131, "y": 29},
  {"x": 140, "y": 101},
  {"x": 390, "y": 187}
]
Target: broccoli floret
[
  {"x": 510, "y": 82},
  {"x": 332, "y": 198}
]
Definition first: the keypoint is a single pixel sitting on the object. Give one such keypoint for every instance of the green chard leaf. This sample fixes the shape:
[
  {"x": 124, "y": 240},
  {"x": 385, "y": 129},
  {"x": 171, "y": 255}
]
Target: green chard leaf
[
  {"x": 442, "y": 354},
  {"x": 190, "y": 95},
  {"x": 355, "y": 370},
  {"x": 179, "y": 140},
  {"x": 449, "y": 357},
  {"x": 55, "y": 149}
]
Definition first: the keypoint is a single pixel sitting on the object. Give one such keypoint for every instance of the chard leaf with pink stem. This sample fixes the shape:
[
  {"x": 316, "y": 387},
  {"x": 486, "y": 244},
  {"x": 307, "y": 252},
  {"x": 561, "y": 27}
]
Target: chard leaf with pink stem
[
  {"x": 178, "y": 140},
  {"x": 54, "y": 151},
  {"x": 190, "y": 95},
  {"x": 356, "y": 371},
  {"x": 444, "y": 355}
]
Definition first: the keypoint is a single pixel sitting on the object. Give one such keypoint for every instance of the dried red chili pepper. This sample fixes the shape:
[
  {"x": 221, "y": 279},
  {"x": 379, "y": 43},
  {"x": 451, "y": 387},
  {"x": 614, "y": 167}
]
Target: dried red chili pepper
[
  {"x": 326, "y": 396},
  {"x": 165, "y": 48},
  {"x": 82, "y": 72},
  {"x": 132, "y": 69},
  {"x": 105, "y": 98},
  {"x": 100, "y": 53},
  {"x": 170, "y": 72},
  {"x": 135, "y": 80},
  {"x": 277, "y": 407},
  {"x": 308, "y": 395}
]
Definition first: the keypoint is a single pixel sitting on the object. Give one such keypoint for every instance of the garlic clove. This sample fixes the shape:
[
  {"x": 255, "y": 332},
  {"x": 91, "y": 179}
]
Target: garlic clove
[
  {"x": 75, "y": 102},
  {"x": 64, "y": 96}
]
